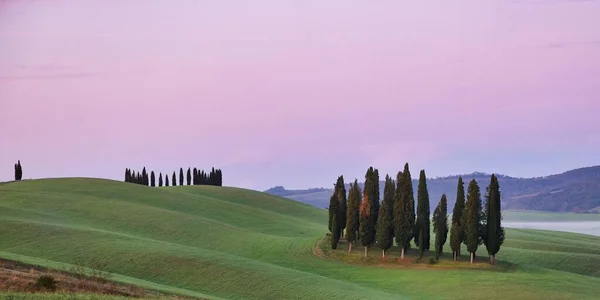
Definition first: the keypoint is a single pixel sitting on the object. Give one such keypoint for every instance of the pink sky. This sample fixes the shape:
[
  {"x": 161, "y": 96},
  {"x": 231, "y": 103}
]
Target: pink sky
[{"x": 295, "y": 93}]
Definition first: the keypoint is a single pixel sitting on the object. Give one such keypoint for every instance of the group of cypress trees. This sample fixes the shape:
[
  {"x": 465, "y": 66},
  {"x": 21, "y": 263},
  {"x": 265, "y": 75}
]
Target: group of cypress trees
[
  {"x": 193, "y": 177},
  {"x": 365, "y": 219},
  {"x": 18, "y": 171}
]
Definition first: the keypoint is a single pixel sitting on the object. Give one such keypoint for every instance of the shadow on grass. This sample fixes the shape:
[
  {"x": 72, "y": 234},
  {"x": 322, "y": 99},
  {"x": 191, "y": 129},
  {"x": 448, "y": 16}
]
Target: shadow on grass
[{"x": 392, "y": 258}]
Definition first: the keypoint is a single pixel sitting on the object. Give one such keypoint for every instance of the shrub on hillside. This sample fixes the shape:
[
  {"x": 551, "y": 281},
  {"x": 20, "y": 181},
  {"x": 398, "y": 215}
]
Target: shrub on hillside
[{"x": 46, "y": 282}]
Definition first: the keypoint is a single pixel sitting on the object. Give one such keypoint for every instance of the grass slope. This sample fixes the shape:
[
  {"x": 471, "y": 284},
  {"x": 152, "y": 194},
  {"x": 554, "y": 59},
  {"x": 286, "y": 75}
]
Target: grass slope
[{"x": 229, "y": 243}]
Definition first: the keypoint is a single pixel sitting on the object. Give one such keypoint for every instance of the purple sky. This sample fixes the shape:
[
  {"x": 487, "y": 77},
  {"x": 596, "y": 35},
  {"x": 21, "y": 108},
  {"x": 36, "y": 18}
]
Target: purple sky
[{"x": 295, "y": 93}]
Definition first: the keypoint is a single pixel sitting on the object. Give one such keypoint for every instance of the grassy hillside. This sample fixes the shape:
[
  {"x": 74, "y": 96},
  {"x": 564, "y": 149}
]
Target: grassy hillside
[
  {"x": 573, "y": 191},
  {"x": 229, "y": 243}
]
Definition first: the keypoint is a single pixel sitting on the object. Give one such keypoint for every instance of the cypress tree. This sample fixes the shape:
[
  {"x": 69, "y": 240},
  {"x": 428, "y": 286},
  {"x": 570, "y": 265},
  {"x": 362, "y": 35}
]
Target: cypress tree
[
  {"x": 473, "y": 219},
  {"x": 364, "y": 230},
  {"x": 332, "y": 209},
  {"x": 402, "y": 229},
  {"x": 189, "y": 176},
  {"x": 384, "y": 235},
  {"x": 388, "y": 193},
  {"x": 152, "y": 179},
  {"x": 440, "y": 225},
  {"x": 180, "y": 176},
  {"x": 368, "y": 220},
  {"x": 145, "y": 179},
  {"x": 423, "y": 221},
  {"x": 166, "y": 180},
  {"x": 20, "y": 170},
  {"x": 335, "y": 224},
  {"x": 160, "y": 180},
  {"x": 174, "y": 179},
  {"x": 126, "y": 175},
  {"x": 195, "y": 176},
  {"x": 376, "y": 204},
  {"x": 457, "y": 232},
  {"x": 494, "y": 236},
  {"x": 220, "y": 178},
  {"x": 340, "y": 191},
  {"x": 352, "y": 215}
]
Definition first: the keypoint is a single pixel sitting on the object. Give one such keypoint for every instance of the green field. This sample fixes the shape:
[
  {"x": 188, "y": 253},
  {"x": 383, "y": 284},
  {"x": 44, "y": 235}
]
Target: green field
[
  {"x": 539, "y": 216},
  {"x": 229, "y": 243}
]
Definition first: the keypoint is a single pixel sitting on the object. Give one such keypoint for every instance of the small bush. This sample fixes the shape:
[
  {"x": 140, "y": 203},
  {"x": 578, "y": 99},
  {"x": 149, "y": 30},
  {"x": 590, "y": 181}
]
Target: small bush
[
  {"x": 432, "y": 261},
  {"x": 46, "y": 282}
]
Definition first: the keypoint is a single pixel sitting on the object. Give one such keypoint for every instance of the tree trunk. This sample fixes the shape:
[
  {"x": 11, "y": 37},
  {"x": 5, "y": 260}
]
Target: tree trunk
[
  {"x": 402, "y": 255},
  {"x": 472, "y": 256},
  {"x": 453, "y": 255},
  {"x": 492, "y": 260},
  {"x": 365, "y": 251},
  {"x": 383, "y": 253},
  {"x": 349, "y": 247}
]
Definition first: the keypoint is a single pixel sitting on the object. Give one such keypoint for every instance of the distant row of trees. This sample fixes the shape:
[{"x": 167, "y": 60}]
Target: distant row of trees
[
  {"x": 18, "y": 171},
  {"x": 193, "y": 177},
  {"x": 365, "y": 219}
]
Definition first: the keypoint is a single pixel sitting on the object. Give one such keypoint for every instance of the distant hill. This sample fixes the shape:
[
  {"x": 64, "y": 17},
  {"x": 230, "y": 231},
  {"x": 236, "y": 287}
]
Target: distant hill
[{"x": 577, "y": 190}]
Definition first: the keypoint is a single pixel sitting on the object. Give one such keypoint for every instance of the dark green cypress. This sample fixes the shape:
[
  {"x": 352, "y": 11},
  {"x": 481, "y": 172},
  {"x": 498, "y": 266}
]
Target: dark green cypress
[
  {"x": 352, "y": 215},
  {"x": 402, "y": 228},
  {"x": 189, "y": 176},
  {"x": 144, "y": 176},
  {"x": 494, "y": 237},
  {"x": 340, "y": 191},
  {"x": 152, "y": 179},
  {"x": 384, "y": 233},
  {"x": 126, "y": 175},
  {"x": 335, "y": 224},
  {"x": 423, "y": 213},
  {"x": 457, "y": 232},
  {"x": 166, "y": 180},
  {"x": 174, "y": 179},
  {"x": 332, "y": 209},
  {"x": 160, "y": 180},
  {"x": 195, "y": 176},
  {"x": 473, "y": 222},
  {"x": 410, "y": 200},
  {"x": 219, "y": 177},
  {"x": 388, "y": 193},
  {"x": 180, "y": 176},
  {"x": 440, "y": 225},
  {"x": 365, "y": 231}
]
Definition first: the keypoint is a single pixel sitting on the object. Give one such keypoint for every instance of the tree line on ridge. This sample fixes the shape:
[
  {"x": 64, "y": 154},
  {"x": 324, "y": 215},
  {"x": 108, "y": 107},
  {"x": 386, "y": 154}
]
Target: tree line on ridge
[
  {"x": 365, "y": 219},
  {"x": 193, "y": 177}
]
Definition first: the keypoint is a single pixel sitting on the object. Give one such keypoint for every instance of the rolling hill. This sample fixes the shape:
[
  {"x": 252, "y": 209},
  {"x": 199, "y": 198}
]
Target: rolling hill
[
  {"x": 230, "y": 243},
  {"x": 573, "y": 191}
]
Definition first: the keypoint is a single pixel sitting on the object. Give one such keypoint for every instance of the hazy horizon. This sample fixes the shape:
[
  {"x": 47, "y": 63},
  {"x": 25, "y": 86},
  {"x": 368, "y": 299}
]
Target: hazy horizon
[{"x": 280, "y": 93}]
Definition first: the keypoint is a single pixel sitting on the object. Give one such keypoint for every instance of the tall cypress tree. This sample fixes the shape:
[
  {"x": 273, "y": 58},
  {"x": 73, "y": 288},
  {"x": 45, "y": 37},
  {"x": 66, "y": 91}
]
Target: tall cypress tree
[
  {"x": 332, "y": 209},
  {"x": 457, "y": 233},
  {"x": 160, "y": 180},
  {"x": 402, "y": 228},
  {"x": 384, "y": 235},
  {"x": 367, "y": 230},
  {"x": 440, "y": 225},
  {"x": 152, "y": 179},
  {"x": 145, "y": 180},
  {"x": 166, "y": 180},
  {"x": 473, "y": 222},
  {"x": 126, "y": 175},
  {"x": 494, "y": 236},
  {"x": 189, "y": 177},
  {"x": 352, "y": 215},
  {"x": 180, "y": 176},
  {"x": 335, "y": 223},
  {"x": 18, "y": 171},
  {"x": 174, "y": 179},
  {"x": 389, "y": 190},
  {"x": 340, "y": 191},
  {"x": 423, "y": 220},
  {"x": 195, "y": 176}
]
